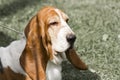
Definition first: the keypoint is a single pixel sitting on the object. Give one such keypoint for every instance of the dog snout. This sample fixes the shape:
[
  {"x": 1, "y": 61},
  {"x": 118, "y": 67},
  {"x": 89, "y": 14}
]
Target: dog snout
[{"x": 71, "y": 38}]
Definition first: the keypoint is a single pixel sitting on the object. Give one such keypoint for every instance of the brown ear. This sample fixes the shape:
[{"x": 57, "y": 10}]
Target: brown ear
[
  {"x": 44, "y": 35},
  {"x": 75, "y": 60},
  {"x": 35, "y": 56}
]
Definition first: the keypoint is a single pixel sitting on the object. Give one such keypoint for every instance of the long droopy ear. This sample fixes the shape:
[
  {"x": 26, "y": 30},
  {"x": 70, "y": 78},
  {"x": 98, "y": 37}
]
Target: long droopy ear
[
  {"x": 75, "y": 60},
  {"x": 44, "y": 35},
  {"x": 35, "y": 55}
]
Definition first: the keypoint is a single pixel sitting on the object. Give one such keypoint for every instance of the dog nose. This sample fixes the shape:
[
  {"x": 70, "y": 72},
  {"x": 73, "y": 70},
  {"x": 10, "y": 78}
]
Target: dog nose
[{"x": 71, "y": 38}]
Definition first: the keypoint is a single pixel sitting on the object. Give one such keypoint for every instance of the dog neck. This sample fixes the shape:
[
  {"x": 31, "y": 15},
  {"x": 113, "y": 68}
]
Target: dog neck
[{"x": 54, "y": 66}]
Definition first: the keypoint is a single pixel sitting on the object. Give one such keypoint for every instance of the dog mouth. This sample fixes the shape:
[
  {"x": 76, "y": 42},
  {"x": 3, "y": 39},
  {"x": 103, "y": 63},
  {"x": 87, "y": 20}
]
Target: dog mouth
[
  {"x": 58, "y": 57},
  {"x": 70, "y": 40},
  {"x": 70, "y": 47}
]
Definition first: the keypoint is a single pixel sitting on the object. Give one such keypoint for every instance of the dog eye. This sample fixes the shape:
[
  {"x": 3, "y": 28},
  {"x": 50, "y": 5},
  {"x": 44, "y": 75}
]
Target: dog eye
[{"x": 53, "y": 23}]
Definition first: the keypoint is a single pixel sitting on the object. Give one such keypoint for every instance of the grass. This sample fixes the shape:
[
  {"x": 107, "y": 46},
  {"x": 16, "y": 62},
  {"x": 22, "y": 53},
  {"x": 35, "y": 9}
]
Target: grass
[{"x": 95, "y": 22}]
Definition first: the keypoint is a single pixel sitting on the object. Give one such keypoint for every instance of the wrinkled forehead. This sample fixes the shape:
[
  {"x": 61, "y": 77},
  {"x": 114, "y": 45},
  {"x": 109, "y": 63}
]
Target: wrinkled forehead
[{"x": 52, "y": 14}]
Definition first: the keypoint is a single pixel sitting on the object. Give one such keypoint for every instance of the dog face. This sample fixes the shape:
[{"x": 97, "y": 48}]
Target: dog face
[
  {"x": 49, "y": 35},
  {"x": 62, "y": 37}
]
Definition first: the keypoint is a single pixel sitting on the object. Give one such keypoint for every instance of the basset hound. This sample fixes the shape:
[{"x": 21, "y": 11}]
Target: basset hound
[{"x": 38, "y": 56}]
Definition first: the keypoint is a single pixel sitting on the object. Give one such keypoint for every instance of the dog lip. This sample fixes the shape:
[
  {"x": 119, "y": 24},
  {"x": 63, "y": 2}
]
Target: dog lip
[
  {"x": 70, "y": 47},
  {"x": 57, "y": 52}
]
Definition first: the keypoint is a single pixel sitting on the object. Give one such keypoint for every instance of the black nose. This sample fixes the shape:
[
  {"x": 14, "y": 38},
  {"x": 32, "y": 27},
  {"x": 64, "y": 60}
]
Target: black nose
[{"x": 71, "y": 38}]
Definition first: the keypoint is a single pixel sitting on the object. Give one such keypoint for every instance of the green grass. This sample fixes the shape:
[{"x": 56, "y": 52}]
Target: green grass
[{"x": 95, "y": 22}]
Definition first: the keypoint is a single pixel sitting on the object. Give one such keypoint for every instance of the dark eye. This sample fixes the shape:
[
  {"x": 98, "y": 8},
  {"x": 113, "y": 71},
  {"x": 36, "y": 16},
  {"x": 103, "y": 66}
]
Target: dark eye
[
  {"x": 67, "y": 20},
  {"x": 53, "y": 23}
]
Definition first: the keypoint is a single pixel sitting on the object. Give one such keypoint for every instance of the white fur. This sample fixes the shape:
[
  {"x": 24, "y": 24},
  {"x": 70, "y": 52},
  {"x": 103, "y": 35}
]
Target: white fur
[
  {"x": 53, "y": 71},
  {"x": 60, "y": 44},
  {"x": 54, "y": 67},
  {"x": 10, "y": 55}
]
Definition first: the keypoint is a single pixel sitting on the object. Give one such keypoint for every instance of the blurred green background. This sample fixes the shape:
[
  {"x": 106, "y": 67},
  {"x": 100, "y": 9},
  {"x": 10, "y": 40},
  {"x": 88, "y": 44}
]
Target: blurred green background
[{"x": 95, "y": 22}]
